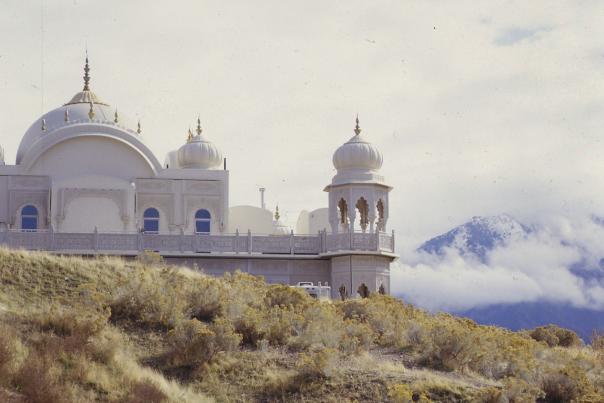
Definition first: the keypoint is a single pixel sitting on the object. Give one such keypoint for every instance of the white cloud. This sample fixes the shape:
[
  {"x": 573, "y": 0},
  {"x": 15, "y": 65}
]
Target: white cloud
[{"x": 537, "y": 267}]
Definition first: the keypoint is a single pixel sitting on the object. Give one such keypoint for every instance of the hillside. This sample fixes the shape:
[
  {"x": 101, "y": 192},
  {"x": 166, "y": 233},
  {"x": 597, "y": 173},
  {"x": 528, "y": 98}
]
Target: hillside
[{"x": 108, "y": 330}]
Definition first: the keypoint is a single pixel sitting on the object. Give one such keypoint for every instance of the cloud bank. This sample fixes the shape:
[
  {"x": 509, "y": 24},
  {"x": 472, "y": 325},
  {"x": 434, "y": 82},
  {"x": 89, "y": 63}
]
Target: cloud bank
[{"x": 559, "y": 261}]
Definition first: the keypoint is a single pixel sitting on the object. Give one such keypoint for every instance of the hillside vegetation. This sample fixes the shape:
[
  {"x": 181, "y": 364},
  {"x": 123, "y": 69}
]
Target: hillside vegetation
[{"x": 105, "y": 329}]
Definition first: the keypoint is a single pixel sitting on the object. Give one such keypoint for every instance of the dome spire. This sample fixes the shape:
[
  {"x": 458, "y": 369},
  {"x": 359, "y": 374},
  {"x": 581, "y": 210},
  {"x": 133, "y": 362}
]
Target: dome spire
[
  {"x": 357, "y": 128},
  {"x": 116, "y": 117},
  {"x": 189, "y": 135},
  {"x": 199, "y": 130},
  {"x": 277, "y": 215},
  {"x": 86, "y": 75},
  {"x": 138, "y": 128}
]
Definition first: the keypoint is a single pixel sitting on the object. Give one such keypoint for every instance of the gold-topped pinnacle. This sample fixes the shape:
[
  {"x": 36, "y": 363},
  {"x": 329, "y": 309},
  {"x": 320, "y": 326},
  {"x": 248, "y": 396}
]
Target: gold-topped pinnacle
[
  {"x": 357, "y": 128},
  {"x": 116, "y": 117},
  {"x": 189, "y": 136},
  {"x": 66, "y": 116},
  {"x": 138, "y": 129},
  {"x": 199, "y": 130},
  {"x": 43, "y": 125},
  {"x": 277, "y": 215},
  {"x": 91, "y": 111},
  {"x": 86, "y": 75}
]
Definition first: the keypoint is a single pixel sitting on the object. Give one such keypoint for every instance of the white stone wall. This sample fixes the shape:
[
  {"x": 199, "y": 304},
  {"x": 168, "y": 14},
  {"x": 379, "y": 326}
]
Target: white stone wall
[
  {"x": 283, "y": 271},
  {"x": 177, "y": 201},
  {"x": 354, "y": 270}
]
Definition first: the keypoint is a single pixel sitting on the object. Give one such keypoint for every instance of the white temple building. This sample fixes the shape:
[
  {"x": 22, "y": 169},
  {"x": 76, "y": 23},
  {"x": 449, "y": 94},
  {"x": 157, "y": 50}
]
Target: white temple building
[{"x": 84, "y": 182}]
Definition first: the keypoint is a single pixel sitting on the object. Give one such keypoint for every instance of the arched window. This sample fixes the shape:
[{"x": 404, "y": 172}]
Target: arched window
[
  {"x": 363, "y": 212},
  {"x": 29, "y": 218},
  {"x": 202, "y": 221},
  {"x": 151, "y": 220},
  {"x": 380, "y": 209}
]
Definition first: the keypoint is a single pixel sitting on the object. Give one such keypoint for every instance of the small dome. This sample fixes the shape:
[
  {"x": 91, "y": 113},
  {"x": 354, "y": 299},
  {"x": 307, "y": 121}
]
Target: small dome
[
  {"x": 357, "y": 154},
  {"x": 198, "y": 152}
]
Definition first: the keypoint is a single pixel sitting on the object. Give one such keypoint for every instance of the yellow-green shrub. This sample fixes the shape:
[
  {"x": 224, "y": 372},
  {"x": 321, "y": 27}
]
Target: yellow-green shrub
[
  {"x": 152, "y": 299},
  {"x": 553, "y": 336},
  {"x": 193, "y": 343},
  {"x": 283, "y": 295}
]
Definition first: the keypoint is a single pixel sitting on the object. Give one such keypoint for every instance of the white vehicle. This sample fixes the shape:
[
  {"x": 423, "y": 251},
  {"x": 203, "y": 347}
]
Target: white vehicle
[{"x": 316, "y": 291}]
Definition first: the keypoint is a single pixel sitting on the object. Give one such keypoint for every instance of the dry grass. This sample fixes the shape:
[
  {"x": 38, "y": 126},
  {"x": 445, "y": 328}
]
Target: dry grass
[{"x": 105, "y": 329}]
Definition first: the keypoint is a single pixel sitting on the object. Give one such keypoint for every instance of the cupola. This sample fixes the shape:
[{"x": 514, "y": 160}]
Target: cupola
[
  {"x": 357, "y": 154},
  {"x": 198, "y": 152}
]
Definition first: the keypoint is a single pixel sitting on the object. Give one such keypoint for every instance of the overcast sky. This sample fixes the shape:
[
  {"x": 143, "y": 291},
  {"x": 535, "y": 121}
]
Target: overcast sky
[{"x": 479, "y": 108}]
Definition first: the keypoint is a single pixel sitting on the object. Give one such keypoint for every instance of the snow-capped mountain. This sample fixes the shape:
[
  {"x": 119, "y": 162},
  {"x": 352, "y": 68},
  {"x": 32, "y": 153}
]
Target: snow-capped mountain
[
  {"x": 478, "y": 236},
  {"x": 481, "y": 235}
]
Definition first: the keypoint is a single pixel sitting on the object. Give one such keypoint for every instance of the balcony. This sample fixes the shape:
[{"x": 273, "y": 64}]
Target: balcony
[{"x": 132, "y": 243}]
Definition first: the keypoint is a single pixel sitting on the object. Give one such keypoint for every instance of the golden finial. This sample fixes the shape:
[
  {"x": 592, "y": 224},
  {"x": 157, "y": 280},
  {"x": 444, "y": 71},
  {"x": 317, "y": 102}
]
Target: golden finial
[
  {"x": 357, "y": 128},
  {"x": 189, "y": 136},
  {"x": 91, "y": 111},
  {"x": 277, "y": 215},
  {"x": 43, "y": 125},
  {"x": 115, "y": 116},
  {"x": 199, "y": 126},
  {"x": 66, "y": 116},
  {"x": 86, "y": 75},
  {"x": 138, "y": 129}
]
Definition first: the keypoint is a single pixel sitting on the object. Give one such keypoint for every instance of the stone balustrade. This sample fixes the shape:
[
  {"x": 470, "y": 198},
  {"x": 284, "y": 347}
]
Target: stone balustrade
[{"x": 239, "y": 243}]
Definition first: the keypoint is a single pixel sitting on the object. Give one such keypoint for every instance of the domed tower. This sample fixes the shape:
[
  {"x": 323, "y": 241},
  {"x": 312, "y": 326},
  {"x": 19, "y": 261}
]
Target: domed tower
[
  {"x": 358, "y": 213},
  {"x": 358, "y": 196}
]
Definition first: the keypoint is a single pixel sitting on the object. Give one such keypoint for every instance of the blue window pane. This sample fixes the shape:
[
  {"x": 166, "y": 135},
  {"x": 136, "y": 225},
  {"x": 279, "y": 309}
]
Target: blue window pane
[
  {"x": 151, "y": 220},
  {"x": 151, "y": 225},
  {"x": 29, "y": 210},
  {"x": 202, "y": 226},
  {"x": 151, "y": 213},
  {"x": 202, "y": 214},
  {"x": 29, "y": 218},
  {"x": 29, "y": 223}
]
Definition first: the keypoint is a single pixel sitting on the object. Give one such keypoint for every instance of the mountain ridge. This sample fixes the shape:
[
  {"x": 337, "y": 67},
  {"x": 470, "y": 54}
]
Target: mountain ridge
[{"x": 478, "y": 237}]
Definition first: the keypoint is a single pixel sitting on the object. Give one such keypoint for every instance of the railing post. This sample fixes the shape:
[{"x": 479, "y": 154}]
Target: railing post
[
  {"x": 392, "y": 243},
  {"x": 182, "y": 240},
  {"x": 249, "y": 241},
  {"x": 291, "y": 242},
  {"x": 320, "y": 234},
  {"x": 95, "y": 239},
  {"x": 51, "y": 235},
  {"x": 139, "y": 241},
  {"x": 377, "y": 241},
  {"x": 237, "y": 241}
]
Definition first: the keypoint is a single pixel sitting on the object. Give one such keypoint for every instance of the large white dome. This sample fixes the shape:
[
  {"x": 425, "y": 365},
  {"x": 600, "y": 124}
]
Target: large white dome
[
  {"x": 84, "y": 107},
  {"x": 198, "y": 152},
  {"x": 357, "y": 154}
]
